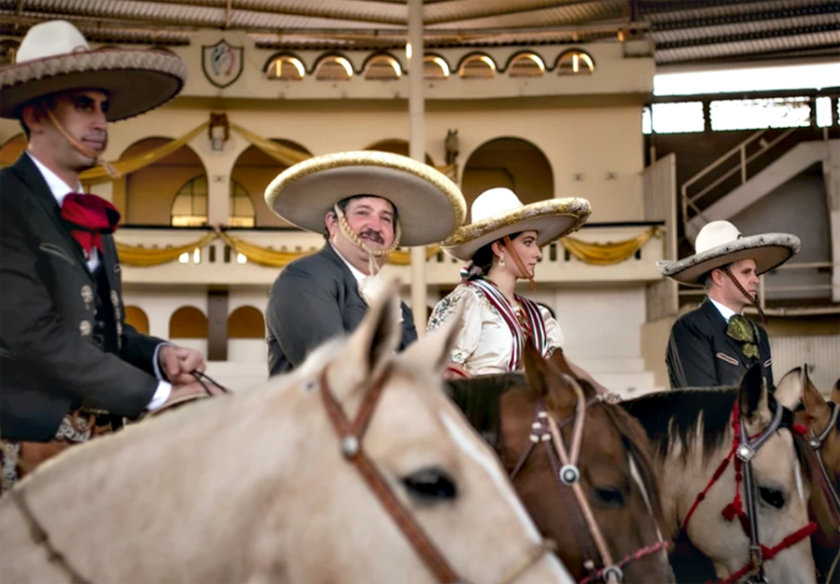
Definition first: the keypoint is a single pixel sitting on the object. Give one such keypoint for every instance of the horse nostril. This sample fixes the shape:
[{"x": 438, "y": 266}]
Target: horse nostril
[
  {"x": 773, "y": 497},
  {"x": 429, "y": 484}
]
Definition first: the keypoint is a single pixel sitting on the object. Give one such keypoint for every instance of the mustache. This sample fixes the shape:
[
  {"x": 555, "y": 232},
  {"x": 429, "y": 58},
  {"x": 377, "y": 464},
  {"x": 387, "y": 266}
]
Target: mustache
[{"x": 373, "y": 235}]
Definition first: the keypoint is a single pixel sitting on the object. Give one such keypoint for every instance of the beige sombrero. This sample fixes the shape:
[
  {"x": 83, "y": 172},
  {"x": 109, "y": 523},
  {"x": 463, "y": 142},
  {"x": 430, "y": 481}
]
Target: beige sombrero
[
  {"x": 720, "y": 243},
  {"x": 54, "y": 57},
  {"x": 430, "y": 206},
  {"x": 498, "y": 212}
]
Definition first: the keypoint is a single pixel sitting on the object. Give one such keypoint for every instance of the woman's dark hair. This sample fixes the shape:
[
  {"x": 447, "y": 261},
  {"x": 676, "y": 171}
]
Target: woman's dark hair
[{"x": 483, "y": 258}]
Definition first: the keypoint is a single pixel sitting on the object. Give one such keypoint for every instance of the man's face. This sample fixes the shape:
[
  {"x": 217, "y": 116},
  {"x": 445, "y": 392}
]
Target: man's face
[
  {"x": 372, "y": 220},
  {"x": 82, "y": 114},
  {"x": 744, "y": 272}
]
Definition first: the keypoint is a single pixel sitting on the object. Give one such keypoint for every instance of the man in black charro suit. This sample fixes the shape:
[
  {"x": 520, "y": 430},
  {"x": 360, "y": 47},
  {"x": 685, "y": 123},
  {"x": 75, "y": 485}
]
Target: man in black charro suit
[{"x": 714, "y": 344}]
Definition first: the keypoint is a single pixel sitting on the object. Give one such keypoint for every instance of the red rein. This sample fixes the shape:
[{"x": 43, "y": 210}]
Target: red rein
[{"x": 735, "y": 508}]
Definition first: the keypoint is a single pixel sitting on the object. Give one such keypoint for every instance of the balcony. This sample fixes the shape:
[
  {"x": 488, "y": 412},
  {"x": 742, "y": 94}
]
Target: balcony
[{"x": 217, "y": 264}]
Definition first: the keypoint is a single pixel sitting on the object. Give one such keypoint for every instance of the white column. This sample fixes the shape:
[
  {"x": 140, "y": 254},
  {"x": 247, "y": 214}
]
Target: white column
[
  {"x": 417, "y": 149},
  {"x": 831, "y": 172}
]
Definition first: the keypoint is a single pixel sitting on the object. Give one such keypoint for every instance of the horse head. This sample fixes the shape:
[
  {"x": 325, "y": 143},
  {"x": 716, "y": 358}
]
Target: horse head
[
  {"x": 266, "y": 485},
  {"x": 611, "y": 516}
]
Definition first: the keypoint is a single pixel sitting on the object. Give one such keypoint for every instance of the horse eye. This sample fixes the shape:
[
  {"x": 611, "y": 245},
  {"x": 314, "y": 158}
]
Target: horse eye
[
  {"x": 429, "y": 484},
  {"x": 773, "y": 497},
  {"x": 609, "y": 496}
]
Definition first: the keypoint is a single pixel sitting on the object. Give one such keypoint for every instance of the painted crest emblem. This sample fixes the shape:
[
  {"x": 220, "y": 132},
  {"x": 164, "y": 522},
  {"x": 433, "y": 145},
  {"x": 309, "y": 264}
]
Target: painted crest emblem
[{"x": 222, "y": 63}]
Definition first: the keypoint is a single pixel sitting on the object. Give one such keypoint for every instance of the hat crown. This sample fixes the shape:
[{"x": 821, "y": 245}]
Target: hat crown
[
  {"x": 494, "y": 202},
  {"x": 49, "y": 39},
  {"x": 714, "y": 234}
]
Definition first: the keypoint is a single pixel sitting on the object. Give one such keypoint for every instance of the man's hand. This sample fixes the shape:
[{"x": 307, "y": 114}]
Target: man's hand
[{"x": 177, "y": 363}]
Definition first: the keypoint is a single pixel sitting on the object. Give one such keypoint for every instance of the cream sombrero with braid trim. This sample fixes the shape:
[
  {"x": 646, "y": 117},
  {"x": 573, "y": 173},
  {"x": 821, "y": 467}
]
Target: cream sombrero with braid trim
[
  {"x": 498, "y": 212},
  {"x": 720, "y": 243},
  {"x": 429, "y": 205},
  {"x": 55, "y": 57}
]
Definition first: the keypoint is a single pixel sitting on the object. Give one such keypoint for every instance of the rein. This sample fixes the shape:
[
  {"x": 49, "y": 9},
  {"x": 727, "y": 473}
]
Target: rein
[
  {"x": 545, "y": 429},
  {"x": 742, "y": 451},
  {"x": 816, "y": 442},
  {"x": 351, "y": 434}
]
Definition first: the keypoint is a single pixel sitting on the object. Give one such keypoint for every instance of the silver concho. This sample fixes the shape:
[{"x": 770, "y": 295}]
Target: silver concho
[
  {"x": 87, "y": 295},
  {"x": 745, "y": 452},
  {"x": 85, "y": 328}
]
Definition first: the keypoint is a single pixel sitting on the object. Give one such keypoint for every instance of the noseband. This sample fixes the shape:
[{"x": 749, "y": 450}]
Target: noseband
[
  {"x": 744, "y": 449},
  {"x": 564, "y": 463},
  {"x": 351, "y": 435}
]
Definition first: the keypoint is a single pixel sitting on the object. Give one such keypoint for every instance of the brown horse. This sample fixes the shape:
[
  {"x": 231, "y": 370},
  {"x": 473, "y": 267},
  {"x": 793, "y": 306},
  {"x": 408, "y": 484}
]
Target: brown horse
[
  {"x": 822, "y": 420},
  {"x": 353, "y": 468},
  {"x": 601, "y": 505},
  {"x": 731, "y": 478}
]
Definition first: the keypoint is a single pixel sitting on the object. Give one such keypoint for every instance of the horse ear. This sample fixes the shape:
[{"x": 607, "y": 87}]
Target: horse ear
[
  {"x": 789, "y": 391},
  {"x": 536, "y": 370},
  {"x": 752, "y": 400},
  {"x": 815, "y": 404},
  {"x": 558, "y": 359},
  {"x": 434, "y": 349},
  {"x": 374, "y": 341}
]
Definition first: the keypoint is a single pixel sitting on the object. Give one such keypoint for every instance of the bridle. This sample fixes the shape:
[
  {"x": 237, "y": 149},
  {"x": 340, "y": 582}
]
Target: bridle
[
  {"x": 816, "y": 442},
  {"x": 351, "y": 435},
  {"x": 564, "y": 463},
  {"x": 744, "y": 449}
]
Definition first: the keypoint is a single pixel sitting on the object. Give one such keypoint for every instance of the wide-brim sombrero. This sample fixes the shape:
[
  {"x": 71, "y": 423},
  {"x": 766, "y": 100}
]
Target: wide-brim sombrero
[
  {"x": 430, "y": 206},
  {"x": 551, "y": 219},
  {"x": 769, "y": 250},
  {"x": 54, "y": 57}
]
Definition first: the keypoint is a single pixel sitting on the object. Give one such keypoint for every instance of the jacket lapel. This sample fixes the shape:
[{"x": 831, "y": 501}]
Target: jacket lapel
[
  {"x": 349, "y": 279},
  {"x": 31, "y": 177},
  {"x": 719, "y": 326}
]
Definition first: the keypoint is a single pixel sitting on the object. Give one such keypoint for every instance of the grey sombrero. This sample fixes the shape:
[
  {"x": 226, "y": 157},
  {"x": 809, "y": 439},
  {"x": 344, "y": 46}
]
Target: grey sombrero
[
  {"x": 719, "y": 243},
  {"x": 55, "y": 57},
  {"x": 430, "y": 206},
  {"x": 498, "y": 212}
]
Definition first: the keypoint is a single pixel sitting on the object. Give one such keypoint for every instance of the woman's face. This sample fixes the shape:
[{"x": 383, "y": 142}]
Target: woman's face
[{"x": 525, "y": 245}]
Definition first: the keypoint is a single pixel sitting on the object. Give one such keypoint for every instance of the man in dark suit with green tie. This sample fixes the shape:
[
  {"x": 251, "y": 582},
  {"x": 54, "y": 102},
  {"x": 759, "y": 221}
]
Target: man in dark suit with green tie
[{"x": 714, "y": 344}]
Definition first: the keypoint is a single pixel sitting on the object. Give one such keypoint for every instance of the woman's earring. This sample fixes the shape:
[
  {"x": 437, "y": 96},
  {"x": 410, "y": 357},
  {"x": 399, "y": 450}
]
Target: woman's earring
[{"x": 502, "y": 261}]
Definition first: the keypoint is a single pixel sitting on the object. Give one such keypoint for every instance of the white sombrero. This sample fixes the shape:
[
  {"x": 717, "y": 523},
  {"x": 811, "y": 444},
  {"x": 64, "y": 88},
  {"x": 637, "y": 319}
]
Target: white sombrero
[
  {"x": 54, "y": 57},
  {"x": 498, "y": 212},
  {"x": 429, "y": 205},
  {"x": 720, "y": 243}
]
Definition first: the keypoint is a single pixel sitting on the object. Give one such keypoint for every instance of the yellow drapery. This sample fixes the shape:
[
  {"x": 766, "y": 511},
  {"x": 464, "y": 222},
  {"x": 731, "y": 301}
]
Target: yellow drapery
[
  {"x": 279, "y": 152},
  {"x": 132, "y": 255},
  {"x": 98, "y": 174},
  {"x": 604, "y": 254}
]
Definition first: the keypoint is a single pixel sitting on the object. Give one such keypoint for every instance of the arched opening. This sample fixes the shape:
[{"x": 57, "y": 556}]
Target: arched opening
[
  {"x": 146, "y": 196},
  {"x": 188, "y": 322},
  {"x": 253, "y": 171},
  {"x": 477, "y": 66},
  {"x": 333, "y": 68},
  {"x": 575, "y": 62},
  {"x": 246, "y": 322},
  {"x": 527, "y": 64},
  {"x": 135, "y": 316},
  {"x": 285, "y": 68},
  {"x": 396, "y": 146},
  {"x": 435, "y": 67},
  {"x": 189, "y": 207},
  {"x": 508, "y": 162},
  {"x": 382, "y": 67},
  {"x": 12, "y": 149}
]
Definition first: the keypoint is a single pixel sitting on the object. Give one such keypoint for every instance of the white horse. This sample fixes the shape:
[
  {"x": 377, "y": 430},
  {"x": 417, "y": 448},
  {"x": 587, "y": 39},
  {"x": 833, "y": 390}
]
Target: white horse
[
  {"x": 693, "y": 432},
  {"x": 258, "y": 487}
]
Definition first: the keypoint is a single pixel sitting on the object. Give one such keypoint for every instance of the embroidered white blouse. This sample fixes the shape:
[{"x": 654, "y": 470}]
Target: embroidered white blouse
[{"x": 485, "y": 343}]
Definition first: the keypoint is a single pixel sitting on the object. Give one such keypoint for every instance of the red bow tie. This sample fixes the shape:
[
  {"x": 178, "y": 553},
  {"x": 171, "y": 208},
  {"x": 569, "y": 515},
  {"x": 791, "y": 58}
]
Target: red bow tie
[{"x": 89, "y": 217}]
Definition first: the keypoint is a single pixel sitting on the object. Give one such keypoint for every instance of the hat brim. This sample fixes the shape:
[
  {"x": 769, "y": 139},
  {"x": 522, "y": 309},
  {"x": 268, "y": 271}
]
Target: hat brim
[
  {"x": 136, "y": 80},
  {"x": 769, "y": 250},
  {"x": 429, "y": 205},
  {"x": 551, "y": 219}
]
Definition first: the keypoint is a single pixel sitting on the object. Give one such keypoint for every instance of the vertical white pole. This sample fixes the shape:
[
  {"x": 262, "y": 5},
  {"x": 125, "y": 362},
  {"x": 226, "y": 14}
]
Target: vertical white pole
[{"x": 417, "y": 149}]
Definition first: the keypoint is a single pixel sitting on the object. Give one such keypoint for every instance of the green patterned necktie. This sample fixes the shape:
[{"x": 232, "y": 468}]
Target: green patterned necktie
[{"x": 743, "y": 330}]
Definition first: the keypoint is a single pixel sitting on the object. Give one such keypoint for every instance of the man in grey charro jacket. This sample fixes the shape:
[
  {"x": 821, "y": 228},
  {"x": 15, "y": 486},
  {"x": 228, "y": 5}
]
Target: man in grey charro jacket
[
  {"x": 714, "y": 344},
  {"x": 369, "y": 203}
]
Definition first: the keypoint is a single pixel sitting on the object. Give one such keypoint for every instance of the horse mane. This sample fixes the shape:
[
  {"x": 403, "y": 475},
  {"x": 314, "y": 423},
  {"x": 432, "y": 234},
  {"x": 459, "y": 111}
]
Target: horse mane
[{"x": 479, "y": 399}]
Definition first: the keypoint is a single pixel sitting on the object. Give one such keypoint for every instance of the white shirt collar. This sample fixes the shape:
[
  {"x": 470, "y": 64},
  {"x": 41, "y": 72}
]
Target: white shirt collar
[
  {"x": 725, "y": 311},
  {"x": 58, "y": 187},
  {"x": 358, "y": 274}
]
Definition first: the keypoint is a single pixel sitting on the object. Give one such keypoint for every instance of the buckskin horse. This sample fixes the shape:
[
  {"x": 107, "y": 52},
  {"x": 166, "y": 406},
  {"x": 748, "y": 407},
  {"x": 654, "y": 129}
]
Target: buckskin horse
[
  {"x": 353, "y": 468},
  {"x": 581, "y": 466},
  {"x": 821, "y": 418},
  {"x": 731, "y": 478}
]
